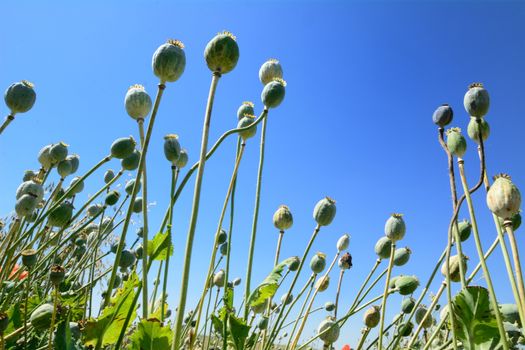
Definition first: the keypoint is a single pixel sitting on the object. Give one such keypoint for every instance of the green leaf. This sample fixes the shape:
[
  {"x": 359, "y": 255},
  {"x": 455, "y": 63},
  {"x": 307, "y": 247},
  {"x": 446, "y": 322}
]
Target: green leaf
[
  {"x": 475, "y": 322},
  {"x": 269, "y": 286},
  {"x": 15, "y": 318},
  {"x": 228, "y": 297},
  {"x": 151, "y": 335},
  {"x": 108, "y": 326},
  {"x": 160, "y": 246},
  {"x": 63, "y": 336},
  {"x": 217, "y": 324},
  {"x": 238, "y": 330}
]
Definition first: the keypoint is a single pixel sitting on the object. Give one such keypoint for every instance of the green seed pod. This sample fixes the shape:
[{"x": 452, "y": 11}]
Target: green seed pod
[
  {"x": 108, "y": 176},
  {"x": 443, "y": 115},
  {"x": 31, "y": 187},
  {"x": 64, "y": 168},
  {"x": 112, "y": 197},
  {"x": 139, "y": 251},
  {"x": 74, "y": 160},
  {"x": 29, "y": 175},
  {"x": 76, "y": 185},
  {"x": 81, "y": 240},
  {"x": 25, "y": 205},
  {"x": 345, "y": 262},
  {"x": 407, "y": 305},
  {"x": 383, "y": 248},
  {"x": 137, "y": 205},
  {"x": 222, "y": 53},
  {"x": 245, "y": 109},
  {"x": 137, "y": 102},
  {"x": 123, "y": 147},
  {"x": 476, "y": 100},
  {"x": 407, "y": 284},
  {"x": 283, "y": 218},
  {"x": 322, "y": 283},
  {"x": 474, "y": 127},
  {"x": 94, "y": 209},
  {"x": 222, "y": 236},
  {"x": 118, "y": 281},
  {"x": 516, "y": 221},
  {"x": 218, "y": 278},
  {"x": 237, "y": 281},
  {"x": 392, "y": 282},
  {"x": 127, "y": 259},
  {"x": 131, "y": 162},
  {"x": 503, "y": 197},
  {"x": 286, "y": 299},
  {"x": 328, "y": 330},
  {"x": 294, "y": 264},
  {"x": 405, "y": 329},
  {"x": 41, "y": 317},
  {"x": 29, "y": 258},
  {"x": 464, "y": 228},
  {"x": 455, "y": 260},
  {"x": 171, "y": 148},
  {"x": 61, "y": 215},
  {"x": 395, "y": 227},
  {"x": 270, "y": 70},
  {"x": 169, "y": 61},
  {"x": 4, "y": 322},
  {"x": 372, "y": 316},
  {"x": 129, "y": 186},
  {"x": 246, "y": 121},
  {"x": 343, "y": 242},
  {"x": 329, "y": 306},
  {"x": 420, "y": 314},
  {"x": 183, "y": 159},
  {"x": 58, "y": 152},
  {"x": 273, "y": 93},
  {"x": 263, "y": 323},
  {"x": 456, "y": 143},
  {"x": 80, "y": 251},
  {"x": 20, "y": 97},
  {"x": 401, "y": 256},
  {"x": 44, "y": 157},
  {"x": 324, "y": 211},
  {"x": 224, "y": 249},
  {"x": 510, "y": 313},
  {"x": 318, "y": 263},
  {"x": 57, "y": 274}
]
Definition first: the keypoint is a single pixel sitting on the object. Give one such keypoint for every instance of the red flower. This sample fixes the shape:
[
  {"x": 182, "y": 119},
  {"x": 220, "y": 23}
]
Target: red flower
[{"x": 347, "y": 347}]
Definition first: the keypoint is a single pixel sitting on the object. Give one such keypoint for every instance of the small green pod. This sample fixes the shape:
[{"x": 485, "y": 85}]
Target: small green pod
[
  {"x": 318, "y": 263},
  {"x": 476, "y": 100},
  {"x": 44, "y": 157},
  {"x": 246, "y": 121},
  {"x": 287, "y": 298},
  {"x": 57, "y": 274},
  {"x": 137, "y": 205},
  {"x": 137, "y": 102},
  {"x": 464, "y": 229},
  {"x": 127, "y": 259},
  {"x": 41, "y": 317},
  {"x": 283, "y": 218},
  {"x": 129, "y": 186},
  {"x": 131, "y": 162},
  {"x": 474, "y": 127},
  {"x": 58, "y": 152},
  {"x": 169, "y": 61},
  {"x": 171, "y": 148},
  {"x": 329, "y": 306},
  {"x": 372, "y": 316},
  {"x": 74, "y": 160},
  {"x": 273, "y": 93},
  {"x": 392, "y": 282},
  {"x": 31, "y": 187},
  {"x": 401, "y": 256},
  {"x": 183, "y": 159},
  {"x": 29, "y": 258},
  {"x": 222, "y": 53},
  {"x": 343, "y": 242},
  {"x": 503, "y": 197},
  {"x": 61, "y": 215},
  {"x": 237, "y": 281},
  {"x": 25, "y": 205},
  {"x": 222, "y": 236},
  {"x": 108, "y": 176},
  {"x": 76, "y": 185},
  {"x": 294, "y": 264},
  {"x": 419, "y": 316},
  {"x": 407, "y": 305},
  {"x": 407, "y": 284},
  {"x": 123, "y": 147},
  {"x": 328, "y": 330},
  {"x": 270, "y": 70},
  {"x": 395, "y": 227},
  {"x": 454, "y": 265},
  {"x": 322, "y": 283},
  {"x": 218, "y": 278},
  {"x": 224, "y": 249},
  {"x": 263, "y": 323},
  {"x": 383, "y": 247},
  {"x": 324, "y": 211},
  {"x": 405, "y": 329},
  {"x": 112, "y": 197},
  {"x": 20, "y": 97},
  {"x": 246, "y": 108},
  {"x": 456, "y": 143},
  {"x": 29, "y": 175},
  {"x": 64, "y": 168},
  {"x": 94, "y": 209},
  {"x": 139, "y": 251}
]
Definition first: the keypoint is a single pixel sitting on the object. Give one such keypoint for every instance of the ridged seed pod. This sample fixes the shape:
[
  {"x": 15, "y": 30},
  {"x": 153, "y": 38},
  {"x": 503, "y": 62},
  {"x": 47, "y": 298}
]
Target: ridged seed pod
[
  {"x": 343, "y": 242},
  {"x": 273, "y": 93},
  {"x": 401, "y": 256},
  {"x": 139, "y": 251},
  {"x": 29, "y": 175},
  {"x": 183, "y": 159},
  {"x": 20, "y": 97},
  {"x": 31, "y": 187},
  {"x": 476, "y": 100},
  {"x": 283, "y": 218},
  {"x": 224, "y": 249},
  {"x": 420, "y": 314},
  {"x": 127, "y": 259},
  {"x": 329, "y": 306},
  {"x": 108, "y": 176},
  {"x": 129, "y": 186},
  {"x": 328, "y": 330},
  {"x": 112, "y": 197},
  {"x": 246, "y": 108},
  {"x": 74, "y": 160},
  {"x": 383, "y": 247},
  {"x": 464, "y": 229},
  {"x": 407, "y": 305},
  {"x": 405, "y": 329},
  {"x": 218, "y": 279},
  {"x": 372, "y": 316},
  {"x": 263, "y": 323},
  {"x": 57, "y": 274},
  {"x": 474, "y": 128},
  {"x": 137, "y": 205},
  {"x": 29, "y": 258},
  {"x": 324, "y": 211},
  {"x": 61, "y": 215},
  {"x": 318, "y": 263},
  {"x": 503, "y": 197},
  {"x": 407, "y": 284},
  {"x": 76, "y": 185},
  {"x": 222, "y": 236},
  {"x": 44, "y": 157},
  {"x": 123, "y": 147},
  {"x": 322, "y": 283},
  {"x": 246, "y": 121},
  {"x": 171, "y": 148},
  {"x": 270, "y": 70},
  {"x": 132, "y": 161},
  {"x": 58, "y": 152},
  {"x": 455, "y": 260},
  {"x": 443, "y": 115},
  {"x": 64, "y": 168},
  {"x": 294, "y": 264},
  {"x": 456, "y": 143},
  {"x": 395, "y": 227},
  {"x": 137, "y": 102},
  {"x": 25, "y": 205},
  {"x": 222, "y": 53},
  {"x": 169, "y": 61},
  {"x": 345, "y": 262}
]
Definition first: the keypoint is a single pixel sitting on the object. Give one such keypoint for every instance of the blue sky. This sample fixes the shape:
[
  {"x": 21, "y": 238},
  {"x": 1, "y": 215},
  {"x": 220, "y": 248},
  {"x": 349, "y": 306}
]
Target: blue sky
[{"x": 363, "y": 81}]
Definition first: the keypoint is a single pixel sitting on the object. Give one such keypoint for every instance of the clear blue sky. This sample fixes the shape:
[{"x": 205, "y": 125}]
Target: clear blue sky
[{"x": 363, "y": 81}]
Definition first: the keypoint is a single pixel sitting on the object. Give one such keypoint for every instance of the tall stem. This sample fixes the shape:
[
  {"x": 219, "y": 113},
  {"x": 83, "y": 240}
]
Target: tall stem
[
  {"x": 144, "y": 225},
  {"x": 517, "y": 263},
  {"x": 341, "y": 274},
  {"x": 385, "y": 295},
  {"x": 6, "y": 122},
  {"x": 194, "y": 215}
]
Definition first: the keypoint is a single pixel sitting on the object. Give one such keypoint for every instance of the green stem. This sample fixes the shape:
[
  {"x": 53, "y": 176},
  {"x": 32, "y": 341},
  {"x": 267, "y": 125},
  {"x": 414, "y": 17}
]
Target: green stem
[
  {"x": 53, "y": 318},
  {"x": 301, "y": 312},
  {"x": 144, "y": 226},
  {"x": 363, "y": 338},
  {"x": 6, "y": 122},
  {"x": 517, "y": 264},
  {"x": 341, "y": 274},
  {"x": 385, "y": 295}
]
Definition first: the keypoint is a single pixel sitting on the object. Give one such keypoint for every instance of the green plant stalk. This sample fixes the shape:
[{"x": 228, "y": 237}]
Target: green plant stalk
[
  {"x": 385, "y": 295},
  {"x": 435, "y": 333},
  {"x": 363, "y": 338},
  {"x": 92, "y": 269},
  {"x": 253, "y": 235},
  {"x": 156, "y": 283},
  {"x": 301, "y": 312},
  {"x": 341, "y": 275},
  {"x": 6, "y": 122},
  {"x": 479, "y": 248},
  {"x": 205, "y": 326},
  {"x": 517, "y": 264},
  {"x": 53, "y": 318},
  {"x": 5, "y": 262},
  {"x": 129, "y": 212},
  {"x": 194, "y": 214},
  {"x": 301, "y": 317},
  {"x": 367, "y": 279},
  {"x": 386, "y": 330},
  {"x": 27, "y": 288},
  {"x": 363, "y": 296}
]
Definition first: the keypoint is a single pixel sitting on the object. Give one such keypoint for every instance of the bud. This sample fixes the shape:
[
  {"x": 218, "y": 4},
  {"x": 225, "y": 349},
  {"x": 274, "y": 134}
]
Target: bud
[
  {"x": 372, "y": 316},
  {"x": 138, "y": 205},
  {"x": 112, "y": 198},
  {"x": 224, "y": 249},
  {"x": 383, "y": 248},
  {"x": 171, "y": 147},
  {"x": 294, "y": 264},
  {"x": 420, "y": 314},
  {"x": 44, "y": 158},
  {"x": 456, "y": 143},
  {"x": 61, "y": 215},
  {"x": 287, "y": 299},
  {"x": 132, "y": 161},
  {"x": 454, "y": 266},
  {"x": 127, "y": 259},
  {"x": 182, "y": 160},
  {"x": 58, "y": 152},
  {"x": 464, "y": 229},
  {"x": 108, "y": 176},
  {"x": 273, "y": 93},
  {"x": 443, "y": 115},
  {"x": 324, "y": 211},
  {"x": 129, "y": 187},
  {"x": 503, "y": 197},
  {"x": 407, "y": 284},
  {"x": 123, "y": 147},
  {"x": 322, "y": 283},
  {"x": 245, "y": 109},
  {"x": 329, "y": 306},
  {"x": 29, "y": 258},
  {"x": 282, "y": 218},
  {"x": 263, "y": 323},
  {"x": 328, "y": 331},
  {"x": 20, "y": 97},
  {"x": 407, "y": 305},
  {"x": 246, "y": 121},
  {"x": 395, "y": 227},
  {"x": 401, "y": 256},
  {"x": 222, "y": 53},
  {"x": 343, "y": 242},
  {"x": 476, "y": 100},
  {"x": 318, "y": 262},
  {"x": 222, "y": 236},
  {"x": 76, "y": 185},
  {"x": 218, "y": 278},
  {"x": 474, "y": 126},
  {"x": 137, "y": 102},
  {"x": 270, "y": 70},
  {"x": 169, "y": 61},
  {"x": 57, "y": 274}
]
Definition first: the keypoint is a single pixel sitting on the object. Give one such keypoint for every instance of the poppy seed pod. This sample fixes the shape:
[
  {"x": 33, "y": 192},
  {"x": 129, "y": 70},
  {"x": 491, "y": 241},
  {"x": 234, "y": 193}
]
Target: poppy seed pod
[
  {"x": 420, "y": 314},
  {"x": 171, "y": 148},
  {"x": 94, "y": 209},
  {"x": 224, "y": 249},
  {"x": 318, "y": 263},
  {"x": 123, "y": 147},
  {"x": 453, "y": 263},
  {"x": 407, "y": 284},
  {"x": 237, "y": 281},
  {"x": 108, "y": 176},
  {"x": 263, "y": 323},
  {"x": 64, "y": 168},
  {"x": 169, "y": 61},
  {"x": 322, "y": 283},
  {"x": 58, "y": 152},
  {"x": 515, "y": 219},
  {"x": 183, "y": 159},
  {"x": 270, "y": 70},
  {"x": 4, "y": 322},
  {"x": 329, "y": 306},
  {"x": 244, "y": 109},
  {"x": 401, "y": 256},
  {"x": 283, "y": 218},
  {"x": 383, "y": 247},
  {"x": 31, "y": 187},
  {"x": 443, "y": 115},
  {"x": 129, "y": 186},
  {"x": 222, "y": 53},
  {"x": 503, "y": 197},
  {"x": 474, "y": 127},
  {"x": 405, "y": 329},
  {"x": 61, "y": 215},
  {"x": 372, "y": 316},
  {"x": 29, "y": 175},
  {"x": 273, "y": 93},
  {"x": 76, "y": 185},
  {"x": 395, "y": 227},
  {"x": 44, "y": 158},
  {"x": 20, "y": 97},
  {"x": 107, "y": 224},
  {"x": 287, "y": 298},
  {"x": 407, "y": 305},
  {"x": 476, "y": 100},
  {"x": 456, "y": 143},
  {"x": 294, "y": 264},
  {"x": 131, "y": 162},
  {"x": 57, "y": 274},
  {"x": 29, "y": 258},
  {"x": 222, "y": 236},
  {"x": 218, "y": 278},
  {"x": 112, "y": 197},
  {"x": 328, "y": 330},
  {"x": 74, "y": 160},
  {"x": 139, "y": 251},
  {"x": 127, "y": 258},
  {"x": 113, "y": 247},
  {"x": 324, "y": 211},
  {"x": 137, "y": 102},
  {"x": 343, "y": 242},
  {"x": 345, "y": 262},
  {"x": 25, "y": 205},
  {"x": 464, "y": 229},
  {"x": 246, "y": 121},
  {"x": 137, "y": 205}
]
